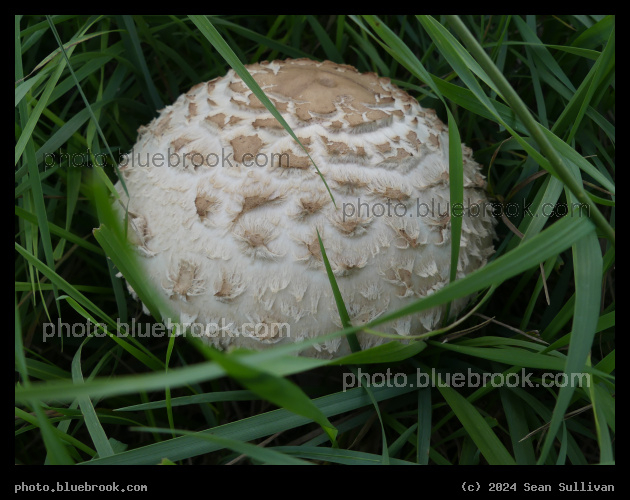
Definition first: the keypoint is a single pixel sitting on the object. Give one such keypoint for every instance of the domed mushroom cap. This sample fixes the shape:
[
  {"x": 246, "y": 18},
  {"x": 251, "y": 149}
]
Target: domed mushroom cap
[{"x": 224, "y": 206}]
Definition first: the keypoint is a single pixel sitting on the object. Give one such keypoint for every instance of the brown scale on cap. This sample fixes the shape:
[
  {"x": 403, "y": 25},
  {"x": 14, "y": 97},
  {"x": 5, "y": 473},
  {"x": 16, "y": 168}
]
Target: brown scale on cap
[
  {"x": 163, "y": 125},
  {"x": 206, "y": 204},
  {"x": 268, "y": 123},
  {"x": 185, "y": 281},
  {"x": 253, "y": 201},
  {"x": 350, "y": 226},
  {"x": 179, "y": 143},
  {"x": 192, "y": 110},
  {"x": 246, "y": 148},
  {"x": 255, "y": 239},
  {"x": 229, "y": 286},
  {"x": 218, "y": 119},
  {"x": 307, "y": 206}
]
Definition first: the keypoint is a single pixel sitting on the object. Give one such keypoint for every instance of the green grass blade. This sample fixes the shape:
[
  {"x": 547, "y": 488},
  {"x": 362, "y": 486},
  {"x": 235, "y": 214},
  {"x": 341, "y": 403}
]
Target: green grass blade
[
  {"x": 424, "y": 425},
  {"x": 214, "y": 37},
  {"x": 268, "y": 456},
  {"x": 588, "y": 271},
  {"x": 250, "y": 428},
  {"x": 341, "y": 306},
  {"x": 274, "y": 388},
  {"x": 337, "y": 456},
  {"x": 480, "y": 432},
  {"x": 99, "y": 438},
  {"x": 534, "y": 128}
]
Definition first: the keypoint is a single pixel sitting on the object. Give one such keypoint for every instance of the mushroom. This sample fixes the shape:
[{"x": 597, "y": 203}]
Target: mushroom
[{"x": 225, "y": 207}]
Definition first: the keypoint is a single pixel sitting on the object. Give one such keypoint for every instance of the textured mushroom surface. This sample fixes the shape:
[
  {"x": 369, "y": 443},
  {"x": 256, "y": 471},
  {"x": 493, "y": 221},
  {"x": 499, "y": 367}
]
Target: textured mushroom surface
[{"x": 224, "y": 206}]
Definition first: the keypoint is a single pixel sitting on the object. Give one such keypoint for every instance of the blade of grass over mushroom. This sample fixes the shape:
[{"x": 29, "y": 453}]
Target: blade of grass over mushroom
[
  {"x": 352, "y": 340},
  {"x": 217, "y": 41},
  {"x": 274, "y": 361},
  {"x": 115, "y": 245},
  {"x": 456, "y": 182},
  {"x": 120, "y": 255},
  {"x": 456, "y": 172},
  {"x": 341, "y": 306},
  {"x": 280, "y": 361},
  {"x": 529, "y": 254},
  {"x": 535, "y": 129}
]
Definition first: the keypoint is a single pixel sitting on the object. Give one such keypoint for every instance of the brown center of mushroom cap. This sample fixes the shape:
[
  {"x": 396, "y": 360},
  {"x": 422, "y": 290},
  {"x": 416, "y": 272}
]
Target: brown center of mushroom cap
[{"x": 321, "y": 88}]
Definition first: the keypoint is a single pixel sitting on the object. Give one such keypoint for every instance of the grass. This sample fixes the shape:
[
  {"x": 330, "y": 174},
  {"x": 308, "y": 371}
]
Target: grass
[{"x": 534, "y": 97}]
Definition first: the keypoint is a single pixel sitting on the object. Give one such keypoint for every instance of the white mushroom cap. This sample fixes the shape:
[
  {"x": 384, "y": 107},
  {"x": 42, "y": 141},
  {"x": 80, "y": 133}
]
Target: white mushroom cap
[{"x": 225, "y": 206}]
